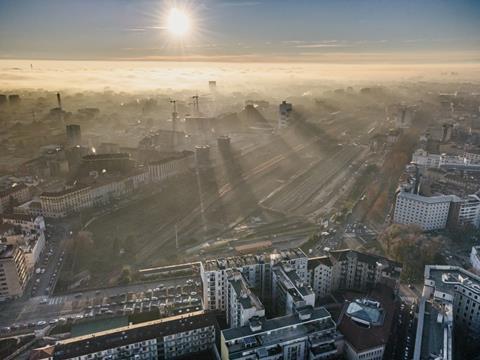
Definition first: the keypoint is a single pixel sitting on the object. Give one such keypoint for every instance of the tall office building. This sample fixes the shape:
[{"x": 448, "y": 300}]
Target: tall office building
[{"x": 285, "y": 114}]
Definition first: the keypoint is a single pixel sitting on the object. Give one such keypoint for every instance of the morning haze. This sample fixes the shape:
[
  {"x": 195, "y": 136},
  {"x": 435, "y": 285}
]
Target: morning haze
[{"x": 219, "y": 179}]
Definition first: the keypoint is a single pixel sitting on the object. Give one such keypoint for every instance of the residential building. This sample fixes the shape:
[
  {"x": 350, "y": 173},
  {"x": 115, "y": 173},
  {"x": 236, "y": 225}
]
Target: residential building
[
  {"x": 242, "y": 303},
  {"x": 323, "y": 275},
  {"x": 99, "y": 192},
  {"x": 363, "y": 271},
  {"x": 475, "y": 259},
  {"x": 22, "y": 241},
  {"x": 14, "y": 195},
  {"x": 13, "y": 271},
  {"x": 181, "y": 336},
  {"x": 428, "y": 212},
  {"x": 469, "y": 211},
  {"x": 310, "y": 333},
  {"x": 289, "y": 292},
  {"x": 366, "y": 324},
  {"x": 450, "y": 300},
  {"x": 255, "y": 268},
  {"x": 424, "y": 159},
  {"x": 62, "y": 203}
]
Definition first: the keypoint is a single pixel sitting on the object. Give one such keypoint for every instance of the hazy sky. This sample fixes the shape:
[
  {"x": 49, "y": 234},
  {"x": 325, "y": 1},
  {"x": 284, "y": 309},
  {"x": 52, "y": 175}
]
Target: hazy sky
[{"x": 228, "y": 30}]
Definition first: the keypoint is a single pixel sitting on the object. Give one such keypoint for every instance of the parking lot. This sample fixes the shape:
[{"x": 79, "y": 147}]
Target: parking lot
[{"x": 173, "y": 296}]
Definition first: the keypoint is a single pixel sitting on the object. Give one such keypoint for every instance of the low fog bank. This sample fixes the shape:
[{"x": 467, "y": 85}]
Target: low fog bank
[{"x": 283, "y": 78}]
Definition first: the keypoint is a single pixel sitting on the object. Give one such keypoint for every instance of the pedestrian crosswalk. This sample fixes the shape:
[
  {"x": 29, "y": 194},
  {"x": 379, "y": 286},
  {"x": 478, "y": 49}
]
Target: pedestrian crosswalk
[{"x": 57, "y": 300}]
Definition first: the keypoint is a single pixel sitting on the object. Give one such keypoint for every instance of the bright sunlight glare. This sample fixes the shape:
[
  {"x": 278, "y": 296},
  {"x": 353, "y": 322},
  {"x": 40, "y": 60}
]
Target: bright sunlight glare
[{"x": 178, "y": 22}]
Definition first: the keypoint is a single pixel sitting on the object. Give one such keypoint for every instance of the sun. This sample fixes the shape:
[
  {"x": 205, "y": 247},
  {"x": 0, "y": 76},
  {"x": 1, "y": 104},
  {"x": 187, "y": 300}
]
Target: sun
[{"x": 178, "y": 22}]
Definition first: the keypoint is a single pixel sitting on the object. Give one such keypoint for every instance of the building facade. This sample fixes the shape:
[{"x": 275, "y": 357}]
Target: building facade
[
  {"x": 257, "y": 270},
  {"x": 18, "y": 194},
  {"x": 13, "y": 272},
  {"x": 242, "y": 303},
  {"x": 310, "y": 333},
  {"x": 181, "y": 336},
  {"x": 428, "y": 212}
]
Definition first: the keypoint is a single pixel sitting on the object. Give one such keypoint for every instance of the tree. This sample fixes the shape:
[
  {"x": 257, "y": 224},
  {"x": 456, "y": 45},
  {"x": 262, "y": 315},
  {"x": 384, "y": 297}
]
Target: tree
[
  {"x": 125, "y": 276},
  {"x": 413, "y": 248}
]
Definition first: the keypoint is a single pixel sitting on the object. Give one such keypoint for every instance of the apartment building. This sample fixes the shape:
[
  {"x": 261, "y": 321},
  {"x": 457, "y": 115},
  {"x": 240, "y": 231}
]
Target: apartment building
[
  {"x": 242, "y": 303},
  {"x": 428, "y": 212},
  {"x": 475, "y": 259},
  {"x": 257, "y": 270},
  {"x": 309, "y": 333},
  {"x": 289, "y": 292},
  {"x": 323, "y": 275},
  {"x": 13, "y": 271},
  {"x": 62, "y": 203},
  {"x": 469, "y": 211},
  {"x": 450, "y": 300},
  {"x": 181, "y": 336},
  {"x": 18, "y": 193},
  {"x": 98, "y": 193},
  {"x": 350, "y": 269}
]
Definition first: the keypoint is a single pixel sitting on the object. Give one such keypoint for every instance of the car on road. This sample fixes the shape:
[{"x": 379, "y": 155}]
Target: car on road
[{"x": 41, "y": 323}]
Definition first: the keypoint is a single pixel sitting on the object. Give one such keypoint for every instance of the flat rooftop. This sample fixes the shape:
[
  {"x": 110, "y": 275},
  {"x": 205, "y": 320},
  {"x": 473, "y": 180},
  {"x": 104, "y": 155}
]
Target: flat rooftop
[
  {"x": 269, "y": 325},
  {"x": 447, "y": 277},
  {"x": 251, "y": 259}
]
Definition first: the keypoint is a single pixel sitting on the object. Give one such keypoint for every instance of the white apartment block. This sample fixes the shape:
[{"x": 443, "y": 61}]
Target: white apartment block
[
  {"x": 475, "y": 258},
  {"x": 323, "y": 275},
  {"x": 424, "y": 159},
  {"x": 242, "y": 303},
  {"x": 289, "y": 292},
  {"x": 256, "y": 270},
  {"x": 350, "y": 269},
  {"x": 429, "y": 213},
  {"x": 452, "y": 295},
  {"x": 469, "y": 211},
  {"x": 181, "y": 336},
  {"x": 308, "y": 334}
]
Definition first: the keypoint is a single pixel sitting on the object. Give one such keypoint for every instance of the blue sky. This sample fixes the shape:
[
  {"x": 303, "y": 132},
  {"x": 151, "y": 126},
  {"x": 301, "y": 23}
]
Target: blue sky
[{"x": 243, "y": 29}]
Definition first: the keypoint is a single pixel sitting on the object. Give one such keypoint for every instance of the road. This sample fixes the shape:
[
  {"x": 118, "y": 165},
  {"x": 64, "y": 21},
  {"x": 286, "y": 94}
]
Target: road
[{"x": 50, "y": 261}]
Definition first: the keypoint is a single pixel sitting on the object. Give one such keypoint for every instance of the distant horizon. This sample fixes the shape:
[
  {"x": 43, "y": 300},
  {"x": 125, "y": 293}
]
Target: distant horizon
[{"x": 231, "y": 76}]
